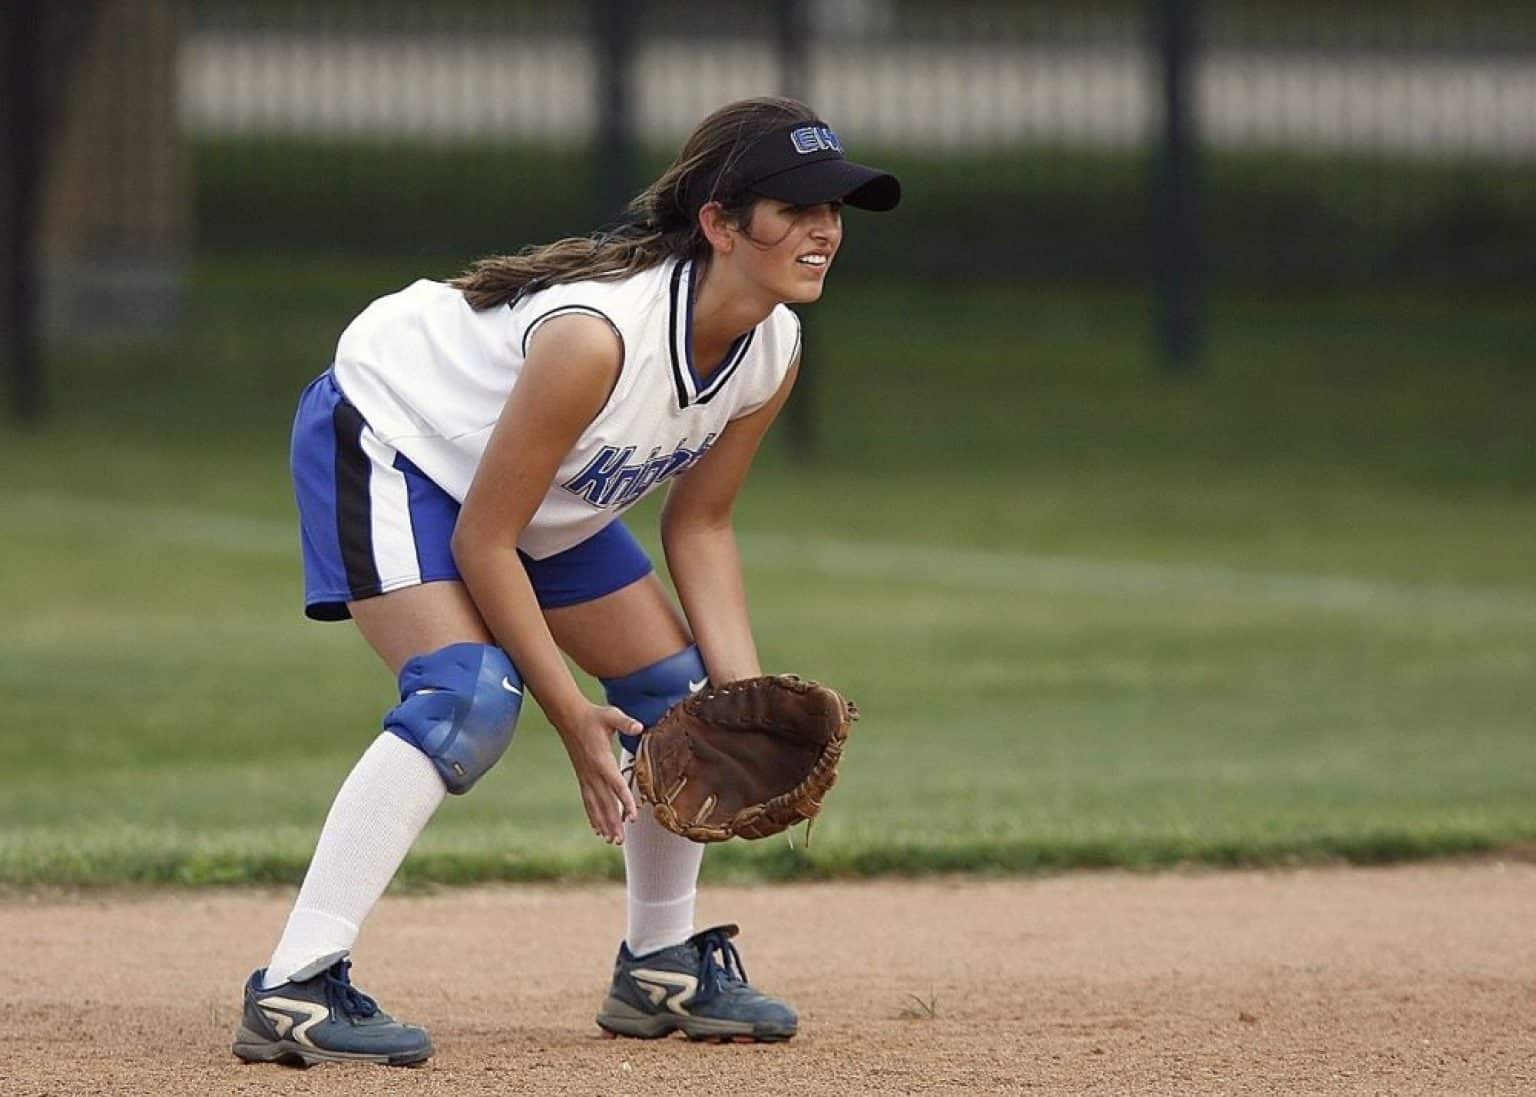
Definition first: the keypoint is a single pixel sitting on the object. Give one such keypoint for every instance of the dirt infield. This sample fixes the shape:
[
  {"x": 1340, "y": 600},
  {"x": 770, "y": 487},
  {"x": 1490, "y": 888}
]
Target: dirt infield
[{"x": 1412, "y": 980}]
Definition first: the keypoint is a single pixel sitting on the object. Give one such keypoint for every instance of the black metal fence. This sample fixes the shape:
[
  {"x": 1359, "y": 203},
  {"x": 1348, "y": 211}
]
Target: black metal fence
[
  {"x": 1371, "y": 124},
  {"x": 1320, "y": 143}
]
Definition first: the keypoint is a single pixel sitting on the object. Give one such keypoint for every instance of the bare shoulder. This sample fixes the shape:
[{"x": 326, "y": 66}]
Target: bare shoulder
[
  {"x": 573, "y": 360},
  {"x": 577, "y": 339}
]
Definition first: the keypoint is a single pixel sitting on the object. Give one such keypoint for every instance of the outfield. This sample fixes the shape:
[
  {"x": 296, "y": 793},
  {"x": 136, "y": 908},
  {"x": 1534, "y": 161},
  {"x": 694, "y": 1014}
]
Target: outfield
[{"x": 1281, "y": 612}]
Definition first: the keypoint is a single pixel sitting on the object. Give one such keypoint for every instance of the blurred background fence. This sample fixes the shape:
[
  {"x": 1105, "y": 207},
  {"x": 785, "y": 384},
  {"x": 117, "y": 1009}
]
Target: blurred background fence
[
  {"x": 1311, "y": 145},
  {"x": 1344, "y": 140}
]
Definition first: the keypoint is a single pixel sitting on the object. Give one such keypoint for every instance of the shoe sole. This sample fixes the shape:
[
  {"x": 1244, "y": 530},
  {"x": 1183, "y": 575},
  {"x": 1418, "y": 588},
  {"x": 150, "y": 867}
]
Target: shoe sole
[
  {"x": 619, "y": 1018},
  {"x": 254, "y": 1048}
]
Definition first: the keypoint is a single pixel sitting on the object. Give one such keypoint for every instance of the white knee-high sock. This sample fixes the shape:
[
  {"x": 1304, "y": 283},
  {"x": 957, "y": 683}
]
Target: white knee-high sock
[
  {"x": 661, "y": 872},
  {"x": 380, "y": 810}
]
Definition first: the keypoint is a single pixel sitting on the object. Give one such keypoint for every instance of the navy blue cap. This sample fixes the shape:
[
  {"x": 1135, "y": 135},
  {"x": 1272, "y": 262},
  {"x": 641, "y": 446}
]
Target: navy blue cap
[{"x": 803, "y": 164}]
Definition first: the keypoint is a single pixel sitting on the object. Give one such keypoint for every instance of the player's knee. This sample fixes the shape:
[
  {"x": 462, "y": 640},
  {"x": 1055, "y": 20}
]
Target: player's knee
[
  {"x": 458, "y": 706},
  {"x": 649, "y": 692}
]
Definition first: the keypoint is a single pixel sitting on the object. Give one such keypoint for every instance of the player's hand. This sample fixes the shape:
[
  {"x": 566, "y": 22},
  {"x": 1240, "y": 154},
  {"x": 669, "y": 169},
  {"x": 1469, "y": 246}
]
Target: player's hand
[{"x": 604, "y": 792}]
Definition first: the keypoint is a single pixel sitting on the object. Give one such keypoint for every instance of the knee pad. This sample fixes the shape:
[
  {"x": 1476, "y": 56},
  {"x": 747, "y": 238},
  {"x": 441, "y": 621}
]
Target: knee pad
[
  {"x": 458, "y": 706},
  {"x": 649, "y": 692}
]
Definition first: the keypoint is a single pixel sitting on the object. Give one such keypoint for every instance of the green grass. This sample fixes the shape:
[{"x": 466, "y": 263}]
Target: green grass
[{"x": 1278, "y": 612}]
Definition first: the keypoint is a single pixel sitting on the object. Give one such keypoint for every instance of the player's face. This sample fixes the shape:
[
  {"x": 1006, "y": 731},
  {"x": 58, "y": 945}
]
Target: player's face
[{"x": 792, "y": 247}]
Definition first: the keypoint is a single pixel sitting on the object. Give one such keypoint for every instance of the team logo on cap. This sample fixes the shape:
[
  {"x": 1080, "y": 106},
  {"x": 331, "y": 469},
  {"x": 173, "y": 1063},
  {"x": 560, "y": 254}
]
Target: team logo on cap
[{"x": 808, "y": 139}]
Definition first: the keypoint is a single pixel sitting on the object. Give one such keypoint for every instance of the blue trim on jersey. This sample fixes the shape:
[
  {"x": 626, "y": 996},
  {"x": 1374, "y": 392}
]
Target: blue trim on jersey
[
  {"x": 679, "y": 381},
  {"x": 693, "y": 387},
  {"x": 605, "y": 562},
  {"x": 728, "y": 367}
]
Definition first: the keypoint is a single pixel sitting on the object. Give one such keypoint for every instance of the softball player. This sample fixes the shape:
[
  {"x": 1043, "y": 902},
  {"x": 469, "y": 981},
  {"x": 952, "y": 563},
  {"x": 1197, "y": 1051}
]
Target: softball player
[{"x": 460, "y": 472}]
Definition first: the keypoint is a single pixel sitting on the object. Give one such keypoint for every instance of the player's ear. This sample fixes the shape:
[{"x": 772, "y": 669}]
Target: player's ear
[{"x": 716, "y": 225}]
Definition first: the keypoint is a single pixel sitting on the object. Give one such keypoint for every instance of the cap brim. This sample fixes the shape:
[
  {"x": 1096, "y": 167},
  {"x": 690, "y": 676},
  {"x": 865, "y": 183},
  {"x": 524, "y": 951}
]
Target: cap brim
[{"x": 830, "y": 181}]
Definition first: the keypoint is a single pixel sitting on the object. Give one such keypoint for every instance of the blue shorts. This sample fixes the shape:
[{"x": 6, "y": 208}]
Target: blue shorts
[{"x": 372, "y": 522}]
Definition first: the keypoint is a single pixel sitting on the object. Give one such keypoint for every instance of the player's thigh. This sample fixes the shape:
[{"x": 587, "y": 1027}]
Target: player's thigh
[
  {"x": 621, "y": 632},
  {"x": 418, "y": 620}
]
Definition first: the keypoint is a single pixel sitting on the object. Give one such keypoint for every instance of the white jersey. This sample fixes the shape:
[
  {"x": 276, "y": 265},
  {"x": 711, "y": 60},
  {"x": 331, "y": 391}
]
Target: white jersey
[{"x": 430, "y": 375}]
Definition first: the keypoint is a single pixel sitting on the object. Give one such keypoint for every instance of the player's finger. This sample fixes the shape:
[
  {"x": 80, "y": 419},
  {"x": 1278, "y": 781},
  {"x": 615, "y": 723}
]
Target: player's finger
[
  {"x": 623, "y": 722},
  {"x": 592, "y": 801},
  {"x": 629, "y": 812},
  {"x": 605, "y": 815},
  {"x": 618, "y": 784},
  {"x": 616, "y": 799}
]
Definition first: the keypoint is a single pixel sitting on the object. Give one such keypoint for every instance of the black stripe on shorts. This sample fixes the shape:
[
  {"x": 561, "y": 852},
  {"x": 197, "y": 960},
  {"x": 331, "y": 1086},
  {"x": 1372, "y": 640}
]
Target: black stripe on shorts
[{"x": 354, "y": 506}]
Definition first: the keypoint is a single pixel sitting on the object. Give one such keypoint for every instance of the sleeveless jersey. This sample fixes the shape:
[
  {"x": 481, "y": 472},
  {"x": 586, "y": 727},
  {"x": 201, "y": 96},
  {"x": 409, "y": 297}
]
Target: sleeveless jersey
[{"x": 430, "y": 375}]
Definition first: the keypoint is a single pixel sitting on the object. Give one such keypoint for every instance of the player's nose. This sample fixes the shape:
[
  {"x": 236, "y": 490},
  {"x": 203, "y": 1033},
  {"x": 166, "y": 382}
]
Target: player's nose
[{"x": 827, "y": 221}]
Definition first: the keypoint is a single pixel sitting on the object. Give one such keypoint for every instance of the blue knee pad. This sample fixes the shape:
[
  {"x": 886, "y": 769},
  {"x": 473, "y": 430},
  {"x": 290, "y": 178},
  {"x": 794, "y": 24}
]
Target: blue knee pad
[
  {"x": 458, "y": 706},
  {"x": 649, "y": 692}
]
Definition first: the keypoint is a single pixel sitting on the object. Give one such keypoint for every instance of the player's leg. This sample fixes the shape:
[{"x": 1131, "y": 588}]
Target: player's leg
[
  {"x": 666, "y": 976},
  {"x": 637, "y": 628},
  {"x": 454, "y": 719},
  {"x": 394, "y": 788},
  {"x": 372, "y": 523}
]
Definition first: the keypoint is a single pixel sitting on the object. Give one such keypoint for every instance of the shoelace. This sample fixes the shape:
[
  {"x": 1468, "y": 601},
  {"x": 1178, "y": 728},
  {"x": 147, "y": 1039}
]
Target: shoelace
[
  {"x": 353, "y": 1002},
  {"x": 717, "y": 975}
]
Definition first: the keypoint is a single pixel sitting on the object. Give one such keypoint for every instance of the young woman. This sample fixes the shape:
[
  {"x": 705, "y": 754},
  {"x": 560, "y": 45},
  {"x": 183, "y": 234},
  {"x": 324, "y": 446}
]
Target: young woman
[{"x": 460, "y": 471}]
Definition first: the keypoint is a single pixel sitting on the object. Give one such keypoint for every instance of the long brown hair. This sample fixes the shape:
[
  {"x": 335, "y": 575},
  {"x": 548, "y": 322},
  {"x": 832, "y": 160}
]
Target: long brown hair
[{"x": 663, "y": 219}]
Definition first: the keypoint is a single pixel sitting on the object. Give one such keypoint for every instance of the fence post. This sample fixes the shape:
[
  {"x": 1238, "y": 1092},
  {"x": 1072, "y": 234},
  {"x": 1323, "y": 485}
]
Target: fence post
[
  {"x": 793, "y": 41},
  {"x": 614, "y": 36},
  {"x": 1175, "y": 190},
  {"x": 21, "y": 43}
]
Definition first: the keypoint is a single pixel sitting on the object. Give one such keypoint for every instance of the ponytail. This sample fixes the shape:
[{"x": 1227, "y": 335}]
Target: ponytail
[
  {"x": 501, "y": 279},
  {"x": 663, "y": 220}
]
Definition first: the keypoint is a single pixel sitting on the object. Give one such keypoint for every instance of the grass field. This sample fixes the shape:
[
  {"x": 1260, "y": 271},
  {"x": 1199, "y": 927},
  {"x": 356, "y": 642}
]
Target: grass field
[{"x": 1281, "y": 611}]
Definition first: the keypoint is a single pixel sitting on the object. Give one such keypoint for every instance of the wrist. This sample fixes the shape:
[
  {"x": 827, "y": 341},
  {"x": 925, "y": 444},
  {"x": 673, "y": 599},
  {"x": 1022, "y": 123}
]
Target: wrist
[
  {"x": 735, "y": 672},
  {"x": 737, "y": 662},
  {"x": 565, "y": 713}
]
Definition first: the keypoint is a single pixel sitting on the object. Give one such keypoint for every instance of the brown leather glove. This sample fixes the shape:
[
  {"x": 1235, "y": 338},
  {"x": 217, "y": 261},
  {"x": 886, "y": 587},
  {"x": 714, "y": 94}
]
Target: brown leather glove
[{"x": 746, "y": 759}]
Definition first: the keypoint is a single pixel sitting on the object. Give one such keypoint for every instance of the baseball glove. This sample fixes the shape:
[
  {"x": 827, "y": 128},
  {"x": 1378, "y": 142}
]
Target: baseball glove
[{"x": 746, "y": 759}]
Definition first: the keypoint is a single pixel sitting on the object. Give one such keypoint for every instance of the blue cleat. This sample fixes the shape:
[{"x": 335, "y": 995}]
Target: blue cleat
[
  {"x": 686, "y": 988},
  {"x": 324, "y": 1019}
]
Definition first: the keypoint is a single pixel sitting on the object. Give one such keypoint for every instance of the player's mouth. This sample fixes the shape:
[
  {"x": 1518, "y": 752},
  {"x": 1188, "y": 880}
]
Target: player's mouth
[{"x": 815, "y": 260}]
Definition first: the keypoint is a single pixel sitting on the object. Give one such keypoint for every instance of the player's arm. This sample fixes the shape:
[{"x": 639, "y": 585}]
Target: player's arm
[
  {"x": 571, "y": 369},
  {"x": 700, "y": 544}
]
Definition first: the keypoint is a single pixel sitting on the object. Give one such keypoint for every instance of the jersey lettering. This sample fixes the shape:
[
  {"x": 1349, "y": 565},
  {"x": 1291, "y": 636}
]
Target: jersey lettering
[{"x": 610, "y": 479}]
